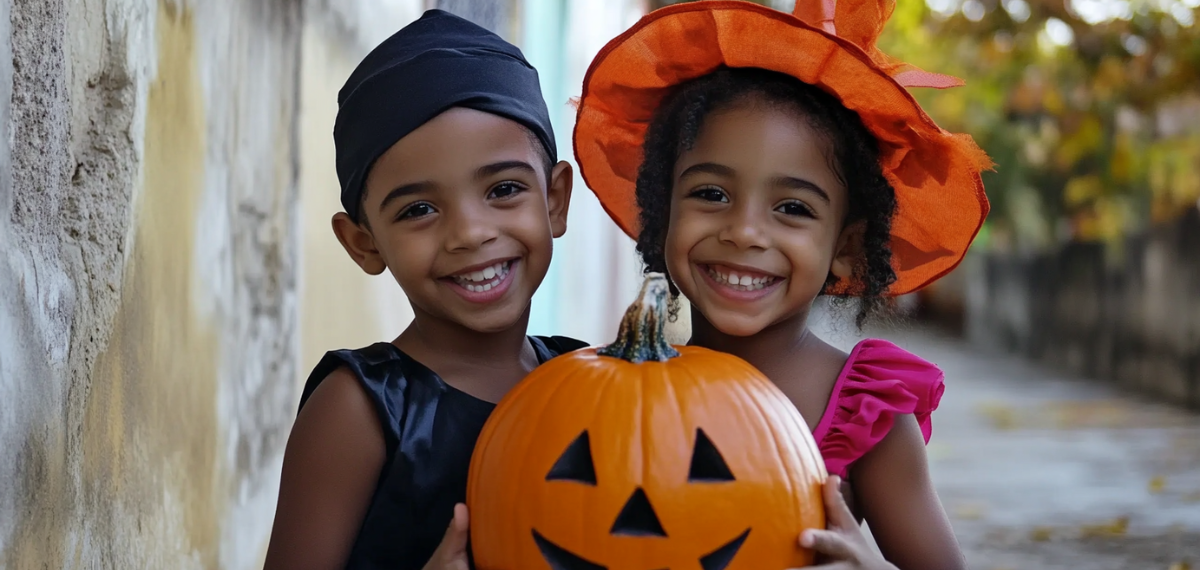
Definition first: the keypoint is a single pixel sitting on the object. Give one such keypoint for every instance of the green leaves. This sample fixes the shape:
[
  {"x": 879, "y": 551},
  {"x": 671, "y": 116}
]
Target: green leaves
[{"x": 1078, "y": 122}]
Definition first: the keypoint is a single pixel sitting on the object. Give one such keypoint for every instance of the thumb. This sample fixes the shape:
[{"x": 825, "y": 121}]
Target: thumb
[
  {"x": 451, "y": 553},
  {"x": 455, "y": 541}
]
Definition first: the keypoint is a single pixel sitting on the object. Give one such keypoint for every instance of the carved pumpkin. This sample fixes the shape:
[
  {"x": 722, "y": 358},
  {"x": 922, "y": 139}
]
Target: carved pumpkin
[{"x": 644, "y": 456}]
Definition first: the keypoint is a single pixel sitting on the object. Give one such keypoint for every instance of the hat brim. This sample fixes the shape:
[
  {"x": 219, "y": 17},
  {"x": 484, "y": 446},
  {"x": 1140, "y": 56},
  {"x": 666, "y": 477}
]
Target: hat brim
[{"x": 941, "y": 202}]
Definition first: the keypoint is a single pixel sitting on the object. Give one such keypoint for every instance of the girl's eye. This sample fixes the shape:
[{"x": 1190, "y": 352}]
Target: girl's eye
[
  {"x": 417, "y": 210},
  {"x": 506, "y": 189},
  {"x": 796, "y": 209},
  {"x": 709, "y": 194}
]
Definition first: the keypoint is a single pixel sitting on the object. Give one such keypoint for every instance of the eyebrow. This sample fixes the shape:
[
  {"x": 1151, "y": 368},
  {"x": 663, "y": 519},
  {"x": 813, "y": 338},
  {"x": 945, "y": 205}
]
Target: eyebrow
[
  {"x": 793, "y": 183},
  {"x": 498, "y": 167},
  {"x": 707, "y": 168}
]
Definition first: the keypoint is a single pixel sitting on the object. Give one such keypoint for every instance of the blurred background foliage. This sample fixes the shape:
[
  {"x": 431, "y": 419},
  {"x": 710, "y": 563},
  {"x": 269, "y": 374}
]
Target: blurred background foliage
[{"x": 1090, "y": 108}]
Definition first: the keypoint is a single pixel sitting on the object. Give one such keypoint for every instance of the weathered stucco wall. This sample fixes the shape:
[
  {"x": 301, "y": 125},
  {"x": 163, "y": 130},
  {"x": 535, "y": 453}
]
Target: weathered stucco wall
[{"x": 148, "y": 267}]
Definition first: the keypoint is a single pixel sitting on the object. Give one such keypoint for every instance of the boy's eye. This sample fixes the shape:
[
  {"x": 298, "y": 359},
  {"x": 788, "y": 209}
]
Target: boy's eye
[
  {"x": 795, "y": 209},
  {"x": 709, "y": 194},
  {"x": 417, "y": 210},
  {"x": 506, "y": 189}
]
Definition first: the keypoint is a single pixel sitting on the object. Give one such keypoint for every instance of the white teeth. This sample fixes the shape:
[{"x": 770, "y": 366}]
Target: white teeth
[
  {"x": 741, "y": 282},
  {"x": 484, "y": 280}
]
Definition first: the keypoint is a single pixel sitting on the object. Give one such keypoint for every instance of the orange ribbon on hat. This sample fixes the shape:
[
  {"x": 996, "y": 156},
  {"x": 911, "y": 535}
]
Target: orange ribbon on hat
[{"x": 861, "y": 22}]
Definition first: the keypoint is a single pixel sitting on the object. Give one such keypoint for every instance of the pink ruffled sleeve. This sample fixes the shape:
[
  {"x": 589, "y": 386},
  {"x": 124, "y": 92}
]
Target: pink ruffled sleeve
[{"x": 879, "y": 381}]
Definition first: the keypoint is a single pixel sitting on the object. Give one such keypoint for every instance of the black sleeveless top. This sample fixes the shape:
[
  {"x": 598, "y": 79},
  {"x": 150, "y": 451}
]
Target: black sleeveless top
[{"x": 429, "y": 428}]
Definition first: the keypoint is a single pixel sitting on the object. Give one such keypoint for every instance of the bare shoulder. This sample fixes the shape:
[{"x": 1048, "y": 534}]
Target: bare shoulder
[
  {"x": 332, "y": 463},
  {"x": 904, "y": 443},
  {"x": 340, "y": 392},
  {"x": 339, "y": 413},
  {"x": 898, "y": 462}
]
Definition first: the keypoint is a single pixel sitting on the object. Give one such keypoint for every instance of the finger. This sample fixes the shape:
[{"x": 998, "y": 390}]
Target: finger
[
  {"x": 830, "y": 544},
  {"x": 456, "y": 533},
  {"x": 456, "y": 536},
  {"x": 836, "y": 510}
]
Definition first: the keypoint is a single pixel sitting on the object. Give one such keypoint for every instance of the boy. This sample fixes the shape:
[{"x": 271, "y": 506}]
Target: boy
[{"x": 450, "y": 181}]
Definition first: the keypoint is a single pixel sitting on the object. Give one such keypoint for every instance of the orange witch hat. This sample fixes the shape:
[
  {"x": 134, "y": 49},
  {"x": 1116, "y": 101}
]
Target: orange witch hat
[{"x": 828, "y": 43}]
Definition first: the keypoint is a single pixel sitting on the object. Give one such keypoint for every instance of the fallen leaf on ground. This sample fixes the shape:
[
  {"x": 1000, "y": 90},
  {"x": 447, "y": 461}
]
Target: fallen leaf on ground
[
  {"x": 1087, "y": 413},
  {"x": 1003, "y": 417},
  {"x": 1041, "y": 534},
  {"x": 1157, "y": 484},
  {"x": 1111, "y": 529},
  {"x": 1180, "y": 566}
]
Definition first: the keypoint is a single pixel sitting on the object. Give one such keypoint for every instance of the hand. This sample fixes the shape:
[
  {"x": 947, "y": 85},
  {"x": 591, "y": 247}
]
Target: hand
[
  {"x": 451, "y": 554},
  {"x": 842, "y": 543}
]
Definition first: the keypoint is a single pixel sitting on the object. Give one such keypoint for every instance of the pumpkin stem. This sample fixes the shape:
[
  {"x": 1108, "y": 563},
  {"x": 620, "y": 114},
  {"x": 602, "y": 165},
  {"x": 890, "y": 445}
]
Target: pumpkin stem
[{"x": 641, "y": 337}]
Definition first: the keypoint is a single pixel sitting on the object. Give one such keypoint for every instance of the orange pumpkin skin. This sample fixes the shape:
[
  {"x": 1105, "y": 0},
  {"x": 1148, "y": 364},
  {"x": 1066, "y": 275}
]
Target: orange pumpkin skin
[{"x": 595, "y": 462}]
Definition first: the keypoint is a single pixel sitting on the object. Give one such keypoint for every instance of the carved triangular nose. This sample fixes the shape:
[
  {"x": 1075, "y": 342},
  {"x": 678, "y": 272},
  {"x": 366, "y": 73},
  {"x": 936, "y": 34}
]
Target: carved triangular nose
[{"x": 637, "y": 517}]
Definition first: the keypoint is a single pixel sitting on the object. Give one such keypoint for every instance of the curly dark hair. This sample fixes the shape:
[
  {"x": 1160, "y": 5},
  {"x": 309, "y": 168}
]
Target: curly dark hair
[{"x": 855, "y": 160}]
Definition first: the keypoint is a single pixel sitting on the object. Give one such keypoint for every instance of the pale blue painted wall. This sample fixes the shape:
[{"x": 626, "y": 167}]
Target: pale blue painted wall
[{"x": 543, "y": 42}]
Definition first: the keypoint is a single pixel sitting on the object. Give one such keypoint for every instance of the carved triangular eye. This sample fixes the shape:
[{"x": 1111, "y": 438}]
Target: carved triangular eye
[
  {"x": 707, "y": 464},
  {"x": 575, "y": 464}
]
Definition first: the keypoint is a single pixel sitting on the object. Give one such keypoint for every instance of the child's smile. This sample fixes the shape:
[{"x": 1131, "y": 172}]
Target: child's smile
[
  {"x": 739, "y": 283},
  {"x": 485, "y": 282}
]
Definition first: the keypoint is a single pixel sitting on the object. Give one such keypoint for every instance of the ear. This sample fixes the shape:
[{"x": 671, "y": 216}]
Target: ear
[
  {"x": 849, "y": 251},
  {"x": 558, "y": 196},
  {"x": 359, "y": 243}
]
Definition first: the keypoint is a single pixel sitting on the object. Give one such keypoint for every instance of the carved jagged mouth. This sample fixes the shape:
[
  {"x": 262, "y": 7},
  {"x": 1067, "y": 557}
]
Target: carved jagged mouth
[{"x": 560, "y": 558}]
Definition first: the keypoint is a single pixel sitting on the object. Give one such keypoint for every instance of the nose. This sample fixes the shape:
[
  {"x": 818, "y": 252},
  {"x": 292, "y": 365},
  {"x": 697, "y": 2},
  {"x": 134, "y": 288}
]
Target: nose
[
  {"x": 469, "y": 228},
  {"x": 637, "y": 517},
  {"x": 744, "y": 228}
]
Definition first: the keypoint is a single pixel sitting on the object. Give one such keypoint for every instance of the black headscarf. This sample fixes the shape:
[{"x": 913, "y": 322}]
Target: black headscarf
[{"x": 435, "y": 63}]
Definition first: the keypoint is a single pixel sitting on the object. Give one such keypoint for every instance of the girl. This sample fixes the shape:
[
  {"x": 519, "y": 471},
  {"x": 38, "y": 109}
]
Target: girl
[
  {"x": 776, "y": 159},
  {"x": 452, "y": 186}
]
